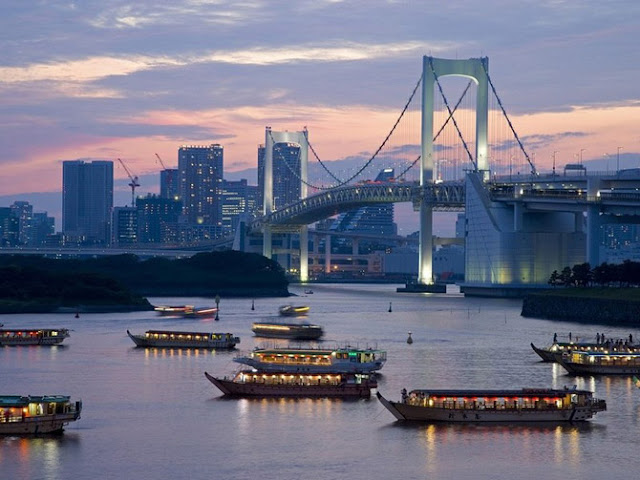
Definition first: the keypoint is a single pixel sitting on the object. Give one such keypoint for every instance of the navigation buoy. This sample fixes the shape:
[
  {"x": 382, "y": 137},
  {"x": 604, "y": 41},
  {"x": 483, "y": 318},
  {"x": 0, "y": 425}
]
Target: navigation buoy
[
  {"x": 389, "y": 306},
  {"x": 77, "y": 315},
  {"x": 253, "y": 307},
  {"x": 409, "y": 340}
]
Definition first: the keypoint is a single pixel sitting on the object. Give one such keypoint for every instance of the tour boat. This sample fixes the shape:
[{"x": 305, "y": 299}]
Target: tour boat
[
  {"x": 497, "y": 406},
  {"x": 589, "y": 363},
  {"x": 261, "y": 384},
  {"x": 173, "y": 309},
  {"x": 295, "y": 331},
  {"x": 315, "y": 360},
  {"x": 173, "y": 339},
  {"x": 557, "y": 349},
  {"x": 33, "y": 336},
  {"x": 293, "y": 310},
  {"x": 32, "y": 414},
  {"x": 199, "y": 312}
]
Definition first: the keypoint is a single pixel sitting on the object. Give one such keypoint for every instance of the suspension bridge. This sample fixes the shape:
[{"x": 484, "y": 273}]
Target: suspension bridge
[{"x": 519, "y": 228}]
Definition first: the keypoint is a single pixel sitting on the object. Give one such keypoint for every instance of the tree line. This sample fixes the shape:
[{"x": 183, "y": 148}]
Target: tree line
[{"x": 625, "y": 274}]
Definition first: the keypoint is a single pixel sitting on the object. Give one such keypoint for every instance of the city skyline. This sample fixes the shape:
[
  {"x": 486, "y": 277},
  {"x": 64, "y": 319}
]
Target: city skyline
[{"x": 128, "y": 81}]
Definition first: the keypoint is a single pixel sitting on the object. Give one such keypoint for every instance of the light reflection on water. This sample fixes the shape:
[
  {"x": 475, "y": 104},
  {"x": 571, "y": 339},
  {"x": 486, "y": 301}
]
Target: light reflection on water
[{"x": 150, "y": 413}]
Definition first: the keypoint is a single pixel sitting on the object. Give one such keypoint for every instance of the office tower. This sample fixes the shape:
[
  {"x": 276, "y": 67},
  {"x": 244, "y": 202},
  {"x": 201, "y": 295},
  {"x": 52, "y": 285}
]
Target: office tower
[
  {"x": 155, "y": 216},
  {"x": 8, "y": 227},
  {"x": 238, "y": 199},
  {"x": 374, "y": 219},
  {"x": 23, "y": 212},
  {"x": 42, "y": 227},
  {"x": 200, "y": 168},
  {"x": 87, "y": 200},
  {"x": 169, "y": 183},
  {"x": 124, "y": 226},
  {"x": 286, "y": 174}
]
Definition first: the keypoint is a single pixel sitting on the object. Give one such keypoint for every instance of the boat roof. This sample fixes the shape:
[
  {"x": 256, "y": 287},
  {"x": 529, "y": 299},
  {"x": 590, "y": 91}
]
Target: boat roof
[
  {"x": 19, "y": 400},
  {"x": 313, "y": 351},
  {"x": 49, "y": 329},
  {"x": 524, "y": 392},
  {"x": 177, "y": 332}
]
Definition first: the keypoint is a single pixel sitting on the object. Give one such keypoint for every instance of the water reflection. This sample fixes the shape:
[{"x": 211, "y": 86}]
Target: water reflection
[{"x": 40, "y": 457}]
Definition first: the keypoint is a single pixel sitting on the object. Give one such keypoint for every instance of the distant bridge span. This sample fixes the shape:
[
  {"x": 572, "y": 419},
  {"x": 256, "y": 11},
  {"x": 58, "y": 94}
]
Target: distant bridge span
[{"x": 442, "y": 196}]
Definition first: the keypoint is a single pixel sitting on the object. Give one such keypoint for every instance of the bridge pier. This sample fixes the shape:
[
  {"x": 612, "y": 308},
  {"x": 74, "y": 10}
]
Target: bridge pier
[
  {"x": 425, "y": 255},
  {"x": 304, "y": 253},
  {"x": 327, "y": 254}
]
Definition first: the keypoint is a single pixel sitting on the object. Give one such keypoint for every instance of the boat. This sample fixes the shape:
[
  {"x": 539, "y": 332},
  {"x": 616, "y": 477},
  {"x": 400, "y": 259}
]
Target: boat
[
  {"x": 557, "y": 349},
  {"x": 33, "y": 336},
  {"x": 591, "y": 363},
  {"x": 173, "y": 309},
  {"x": 294, "y": 331},
  {"x": 293, "y": 310},
  {"x": 495, "y": 406},
  {"x": 261, "y": 384},
  {"x": 174, "y": 339},
  {"x": 199, "y": 312},
  {"x": 315, "y": 360},
  {"x": 308, "y": 292},
  {"x": 33, "y": 415}
]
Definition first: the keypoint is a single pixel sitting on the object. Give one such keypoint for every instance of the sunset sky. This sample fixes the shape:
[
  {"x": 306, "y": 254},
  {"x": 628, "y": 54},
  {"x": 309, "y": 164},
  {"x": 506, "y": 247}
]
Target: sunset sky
[{"x": 96, "y": 79}]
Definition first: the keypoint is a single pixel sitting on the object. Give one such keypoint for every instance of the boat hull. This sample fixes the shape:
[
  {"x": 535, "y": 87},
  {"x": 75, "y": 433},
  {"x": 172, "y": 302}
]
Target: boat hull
[
  {"x": 578, "y": 369},
  {"x": 38, "y": 426},
  {"x": 234, "y": 389},
  {"x": 544, "y": 354},
  {"x": 407, "y": 412}
]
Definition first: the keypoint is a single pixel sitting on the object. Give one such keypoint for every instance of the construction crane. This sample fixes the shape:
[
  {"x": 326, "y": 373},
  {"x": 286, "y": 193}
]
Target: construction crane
[
  {"x": 134, "y": 183},
  {"x": 161, "y": 162}
]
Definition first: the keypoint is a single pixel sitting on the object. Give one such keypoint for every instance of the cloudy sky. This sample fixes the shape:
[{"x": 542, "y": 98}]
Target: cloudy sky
[{"x": 103, "y": 79}]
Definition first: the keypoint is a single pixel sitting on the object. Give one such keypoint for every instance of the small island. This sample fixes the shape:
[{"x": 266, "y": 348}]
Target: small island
[{"x": 36, "y": 284}]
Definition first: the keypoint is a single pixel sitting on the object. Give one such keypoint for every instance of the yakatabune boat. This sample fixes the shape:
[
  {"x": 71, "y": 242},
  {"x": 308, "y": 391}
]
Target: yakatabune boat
[
  {"x": 588, "y": 363},
  {"x": 173, "y": 339},
  {"x": 261, "y": 384},
  {"x": 173, "y": 309},
  {"x": 315, "y": 360},
  {"x": 557, "y": 349},
  {"x": 293, "y": 310},
  {"x": 294, "y": 331},
  {"x": 500, "y": 406},
  {"x": 33, "y": 336},
  {"x": 22, "y": 415}
]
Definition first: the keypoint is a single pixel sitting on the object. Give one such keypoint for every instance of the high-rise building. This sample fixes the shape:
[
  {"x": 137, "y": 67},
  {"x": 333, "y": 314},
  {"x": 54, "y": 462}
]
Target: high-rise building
[
  {"x": 201, "y": 168},
  {"x": 8, "y": 227},
  {"x": 23, "y": 211},
  {"x": 286, "y": 174},
  {"x": 124, "y": 226},
  {"x": 42, "y": 227},
  {"x": 238, "y": 199},
  {"x": 169, "y": 183},
  {"x": 87, "y": 200},
  {"x": 155, "y": 214}
]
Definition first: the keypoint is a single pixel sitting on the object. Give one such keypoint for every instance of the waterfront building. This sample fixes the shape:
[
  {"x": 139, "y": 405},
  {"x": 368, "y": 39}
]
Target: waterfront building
[
  {"x": 87, "y": 200},
  {"x": 155, "y": 213},
  {"x": 200, "y": 169},
  {"x": 125, "y": 226},
  {"x": 170, "y": 183}
]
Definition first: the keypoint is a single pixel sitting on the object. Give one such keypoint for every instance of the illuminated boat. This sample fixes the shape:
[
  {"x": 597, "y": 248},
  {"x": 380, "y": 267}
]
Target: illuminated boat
[
  {"x": 295, "y": 331},
  {"x": 554, "y": 352},
  {"x": 495, "y": 406},
  {"x": 173, "y": 309},
  {"x": 33, "y": 415},
  {"x": 261, "y": 384},
  {"x": 199, "y": 312},
  {"x": 294, "y": 310},
  {"x": 173, "y": 339},
  {"x": 589, "y": 363},
  {"x": 315, "y": 360},
  {"x": 33, "y": 336}
]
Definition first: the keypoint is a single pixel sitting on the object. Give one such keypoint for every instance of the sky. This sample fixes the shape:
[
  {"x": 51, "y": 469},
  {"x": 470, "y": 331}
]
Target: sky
[{"x": 101, "y": 80}]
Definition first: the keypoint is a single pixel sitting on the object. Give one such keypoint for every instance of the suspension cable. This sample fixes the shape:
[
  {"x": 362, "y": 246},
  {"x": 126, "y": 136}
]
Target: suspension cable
[
  {"x": 513, "y": 130},
  {"x": 466, "y": 147}
]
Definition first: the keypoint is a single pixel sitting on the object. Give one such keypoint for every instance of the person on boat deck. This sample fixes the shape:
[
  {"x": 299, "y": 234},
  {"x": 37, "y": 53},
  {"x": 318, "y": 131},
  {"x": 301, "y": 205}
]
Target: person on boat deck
[
  {"x": 598, "y": 338},
  {"x": 630, "y": 338},
  {"x": 555, "y": 337},
  {"x": 404, "y": 395}
]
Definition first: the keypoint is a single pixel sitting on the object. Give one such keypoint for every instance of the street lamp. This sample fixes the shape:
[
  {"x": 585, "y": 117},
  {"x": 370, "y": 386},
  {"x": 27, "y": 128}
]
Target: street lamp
[{"x": 618, "y": 159}]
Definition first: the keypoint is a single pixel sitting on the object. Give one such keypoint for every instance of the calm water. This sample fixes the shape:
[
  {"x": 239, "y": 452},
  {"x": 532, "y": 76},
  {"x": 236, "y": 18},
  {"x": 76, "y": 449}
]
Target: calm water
[{"x": 151, "y": 414}]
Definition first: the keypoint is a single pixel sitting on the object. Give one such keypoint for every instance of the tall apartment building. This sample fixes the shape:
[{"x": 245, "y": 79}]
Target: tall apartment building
[
  {"x": 286, "y": 174},
  {"x": 124, "y": 229},
  {"x": 155, "y": 216},
  {"x": 200, "y": 169},
  {"x": 23, "y": 212},
  {"x": 87, "y": 201}
]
